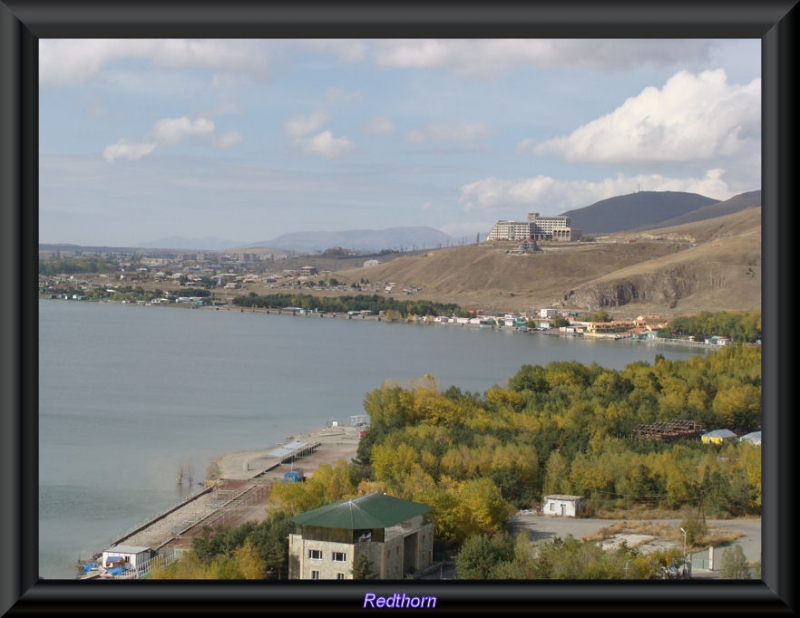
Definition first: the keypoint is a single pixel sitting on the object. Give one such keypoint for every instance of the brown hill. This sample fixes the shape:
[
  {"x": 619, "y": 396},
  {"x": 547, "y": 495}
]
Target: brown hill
[{"x": 711, "y": 265}]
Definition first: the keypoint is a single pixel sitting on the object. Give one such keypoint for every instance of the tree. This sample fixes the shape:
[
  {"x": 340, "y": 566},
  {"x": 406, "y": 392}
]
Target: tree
[
  {"x": 249, "y": 563},
  {"x": 362, "y": 568},
  {"x": 734, "y": 564},
  {"x": 481, "y": 554}
]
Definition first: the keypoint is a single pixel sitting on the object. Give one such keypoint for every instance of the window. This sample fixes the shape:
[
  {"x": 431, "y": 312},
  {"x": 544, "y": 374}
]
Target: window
[
  {"x": 340, "y": 576},
  {"x": 339, "y": 556},
  {"x": 314, "y": 574},
  {"x": 315, "y": 554}
]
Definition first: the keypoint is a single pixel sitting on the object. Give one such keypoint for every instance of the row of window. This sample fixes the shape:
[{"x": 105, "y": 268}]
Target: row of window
[
  {"x": 315, "y": 575},
  {"x": 336, "y": 556}
]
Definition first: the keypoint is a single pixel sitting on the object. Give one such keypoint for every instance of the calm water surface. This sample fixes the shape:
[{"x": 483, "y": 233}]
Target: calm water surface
[{"x": 126, "y": 393}]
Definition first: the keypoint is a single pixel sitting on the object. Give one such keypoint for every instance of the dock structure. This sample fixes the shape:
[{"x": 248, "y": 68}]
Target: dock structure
[
  {"x": 293, "y": 451},
  {"x": 239, "y": 494},
  {"x": 677, "y": 429}
]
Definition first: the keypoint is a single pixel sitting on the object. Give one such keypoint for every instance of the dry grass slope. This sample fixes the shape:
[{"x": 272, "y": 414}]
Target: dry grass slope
[{"x": 712, "y": 265}]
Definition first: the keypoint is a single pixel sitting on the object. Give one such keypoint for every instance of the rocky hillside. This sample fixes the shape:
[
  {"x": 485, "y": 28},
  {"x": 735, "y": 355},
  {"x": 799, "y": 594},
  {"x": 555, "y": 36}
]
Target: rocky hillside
[{"x": 712, "y": 265}]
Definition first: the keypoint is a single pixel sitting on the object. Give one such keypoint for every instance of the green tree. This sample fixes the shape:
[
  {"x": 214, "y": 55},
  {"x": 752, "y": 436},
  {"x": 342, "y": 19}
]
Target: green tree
[
  {"x": 734, "y": 564},
  {"x": 696, "y": 530},
  {"x": 362, "y": 568},
  {"x": 481, "y": 554}
]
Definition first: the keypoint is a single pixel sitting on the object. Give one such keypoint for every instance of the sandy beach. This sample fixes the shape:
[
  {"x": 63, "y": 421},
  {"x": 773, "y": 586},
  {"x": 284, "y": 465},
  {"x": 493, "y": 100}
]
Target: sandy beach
[{"x": 334, "y": 444}]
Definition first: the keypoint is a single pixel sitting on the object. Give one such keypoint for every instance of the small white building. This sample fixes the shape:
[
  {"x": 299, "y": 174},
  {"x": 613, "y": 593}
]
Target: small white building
[
  {"x": 753, "y": 437},
  {"x": 127, "y": 556},
  {"x": 563, "y": 505}
]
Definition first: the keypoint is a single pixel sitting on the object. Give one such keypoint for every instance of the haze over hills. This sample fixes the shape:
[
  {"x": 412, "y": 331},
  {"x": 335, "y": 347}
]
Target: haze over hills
[
  {"x": 209, "y": 243},
  {"x": 396, "y": 238},
  {"x": 636, "y": 211}
]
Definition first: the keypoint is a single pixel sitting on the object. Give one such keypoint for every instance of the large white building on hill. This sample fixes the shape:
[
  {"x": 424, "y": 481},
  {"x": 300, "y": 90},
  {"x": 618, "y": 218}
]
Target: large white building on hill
[{"x": 536, "y": 228}]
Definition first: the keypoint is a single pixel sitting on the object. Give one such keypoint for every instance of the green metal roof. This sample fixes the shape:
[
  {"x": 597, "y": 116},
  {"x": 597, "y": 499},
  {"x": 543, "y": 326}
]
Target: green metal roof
[{"x": 373, "y": 511}]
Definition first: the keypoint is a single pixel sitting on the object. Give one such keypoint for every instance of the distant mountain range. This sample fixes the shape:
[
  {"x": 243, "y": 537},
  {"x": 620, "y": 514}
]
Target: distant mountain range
[
  {"x": 633, "y": 212},
  {"x": 395, "y": 238}
]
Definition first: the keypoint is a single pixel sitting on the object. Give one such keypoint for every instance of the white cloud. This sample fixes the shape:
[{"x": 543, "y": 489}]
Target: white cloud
[
  {"x": 126, "y": 150},
  {"x": 449, "y": 133},
  {"x": 553, "y": 196},
  {"x": 326, "y": 145},
  {"x": 486, "y": 57},
  {"x": 379, "y": 125},
  {"x": 170, "y": 131},
  {"x": 66, "y": 61},
  {"x": 297, "y": 126},
  {"x": 692, "y": 118},
  {"x": 228, "y": 140}
]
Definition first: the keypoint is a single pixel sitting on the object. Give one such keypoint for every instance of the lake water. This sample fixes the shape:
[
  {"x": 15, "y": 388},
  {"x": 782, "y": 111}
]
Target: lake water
[{"x": 126, "y": 393}]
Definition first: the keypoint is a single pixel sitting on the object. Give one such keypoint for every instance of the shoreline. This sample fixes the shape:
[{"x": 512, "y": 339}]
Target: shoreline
[
  {"x": 423, "y": 322},
  {"x": 325, "y": 445},
  {"x": 241, "y": 490}
]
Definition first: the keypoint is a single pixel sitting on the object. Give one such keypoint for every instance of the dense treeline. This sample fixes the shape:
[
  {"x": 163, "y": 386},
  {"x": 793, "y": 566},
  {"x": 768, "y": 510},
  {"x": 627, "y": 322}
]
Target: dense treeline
[
  {"x": 563, "y": 428},
  {"x": 343, "y": 304},
  {"x": 73, "y": 265},
  {"x": 739, "y": 326}
]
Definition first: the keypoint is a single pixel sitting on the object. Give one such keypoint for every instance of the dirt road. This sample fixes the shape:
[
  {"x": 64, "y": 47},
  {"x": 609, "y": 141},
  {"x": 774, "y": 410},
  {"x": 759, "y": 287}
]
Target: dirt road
[{"x": 543, "y": 527}]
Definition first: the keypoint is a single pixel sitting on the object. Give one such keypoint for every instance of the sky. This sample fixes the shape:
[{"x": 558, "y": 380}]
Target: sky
[{"x": 246, "y": 140}]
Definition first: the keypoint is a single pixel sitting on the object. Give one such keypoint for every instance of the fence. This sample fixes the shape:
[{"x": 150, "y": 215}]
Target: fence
[
  {"x": 226, "y": 505},
  {"x": 164, "y": 558},
  {"x": 131, "y": 531}
]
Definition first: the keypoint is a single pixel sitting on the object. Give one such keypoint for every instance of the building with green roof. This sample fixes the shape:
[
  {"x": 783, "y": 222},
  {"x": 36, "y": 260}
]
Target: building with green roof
[{"x": 396, "y": 536}]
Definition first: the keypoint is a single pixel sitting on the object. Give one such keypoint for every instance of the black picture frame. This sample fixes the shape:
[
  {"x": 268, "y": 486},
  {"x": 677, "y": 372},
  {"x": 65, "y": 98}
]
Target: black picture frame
[{"x": 24, "y": 22}]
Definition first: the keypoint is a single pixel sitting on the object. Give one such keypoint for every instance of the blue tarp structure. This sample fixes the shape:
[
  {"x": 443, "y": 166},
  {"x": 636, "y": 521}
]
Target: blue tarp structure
[
  {"x": 89, "y": 567},
  {"x": 117, "y": 571}
]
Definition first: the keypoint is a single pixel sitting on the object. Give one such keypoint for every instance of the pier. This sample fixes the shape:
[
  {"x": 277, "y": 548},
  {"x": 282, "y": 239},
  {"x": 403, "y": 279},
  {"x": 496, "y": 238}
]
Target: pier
[{"x": 239, "y": 494}]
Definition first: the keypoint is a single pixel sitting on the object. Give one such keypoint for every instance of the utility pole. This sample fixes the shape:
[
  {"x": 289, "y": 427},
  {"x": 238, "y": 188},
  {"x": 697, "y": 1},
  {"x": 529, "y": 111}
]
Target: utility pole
[{"x": 684, "y": 551}]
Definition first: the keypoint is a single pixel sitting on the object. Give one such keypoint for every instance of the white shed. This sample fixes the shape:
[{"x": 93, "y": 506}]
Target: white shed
[
  {"x": 128, "y": 556},
  {"x": 752, "y": 437},
  {"x": 563, "y": 505}
]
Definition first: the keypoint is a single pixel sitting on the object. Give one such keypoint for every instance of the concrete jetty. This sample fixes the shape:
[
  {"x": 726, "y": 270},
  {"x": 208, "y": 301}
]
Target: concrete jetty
[{"x": 241, "y": 487}]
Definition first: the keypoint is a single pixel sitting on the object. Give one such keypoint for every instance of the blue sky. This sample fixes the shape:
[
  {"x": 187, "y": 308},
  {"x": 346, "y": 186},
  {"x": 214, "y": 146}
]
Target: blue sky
[{"x": 245, "y": 140}]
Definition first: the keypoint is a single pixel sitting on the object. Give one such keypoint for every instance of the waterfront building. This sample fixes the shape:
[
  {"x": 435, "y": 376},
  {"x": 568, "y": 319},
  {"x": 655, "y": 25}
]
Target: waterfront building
[{"x": 396, "y": 536}]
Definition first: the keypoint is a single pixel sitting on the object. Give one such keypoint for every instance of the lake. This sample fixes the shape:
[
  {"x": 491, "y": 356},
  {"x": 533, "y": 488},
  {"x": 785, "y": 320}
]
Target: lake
[{"x": 127, "y": 393}]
